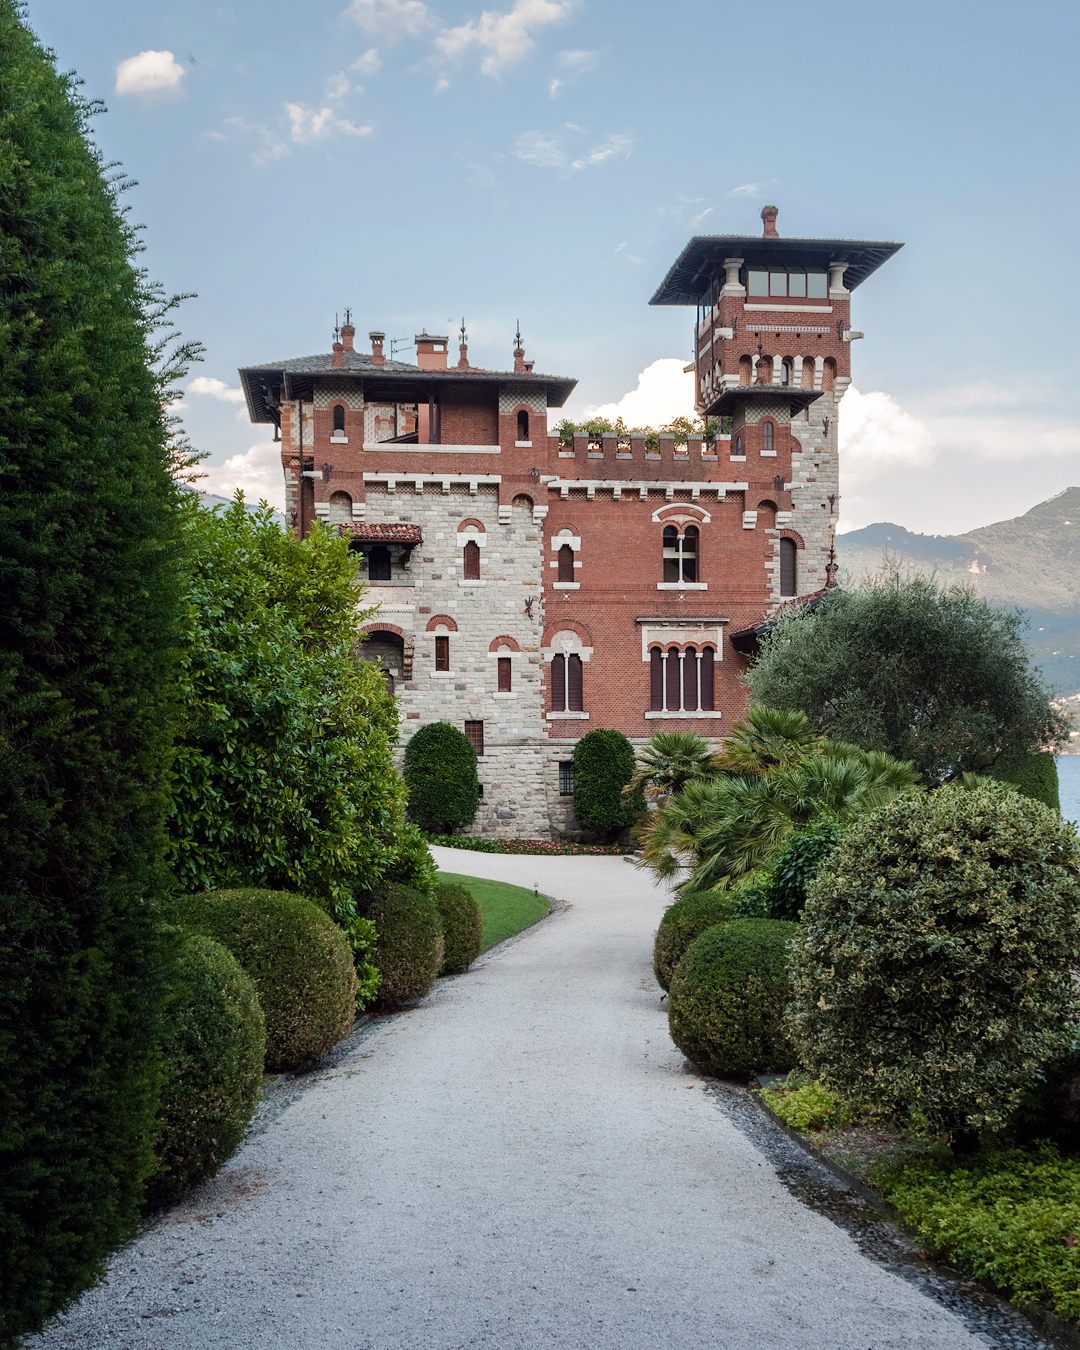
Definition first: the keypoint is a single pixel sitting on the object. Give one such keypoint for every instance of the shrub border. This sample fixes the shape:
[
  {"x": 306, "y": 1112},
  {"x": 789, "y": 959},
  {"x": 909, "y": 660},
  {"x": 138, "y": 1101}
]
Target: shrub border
[{"x": 529, "y": 847}]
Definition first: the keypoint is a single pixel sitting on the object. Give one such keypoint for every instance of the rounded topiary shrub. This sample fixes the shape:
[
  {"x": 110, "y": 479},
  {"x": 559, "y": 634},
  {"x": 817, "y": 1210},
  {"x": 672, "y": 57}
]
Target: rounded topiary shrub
[
  {"x": 798, "y": 865},
  {"x": 603, "y": 766},
  {"x": 408, "y": 945},
  {"x": 1034, "y": 774},
  {"x": 299, "y": 960},
  {"x": 462, "y": 927},
  {"x": 681, "y": 923},
  {"x": 440, "y": 773},
  {"x": 212, "y": 1056},
  {"x": 728, "y": 998},
  {"x": 932, "y": 971}
]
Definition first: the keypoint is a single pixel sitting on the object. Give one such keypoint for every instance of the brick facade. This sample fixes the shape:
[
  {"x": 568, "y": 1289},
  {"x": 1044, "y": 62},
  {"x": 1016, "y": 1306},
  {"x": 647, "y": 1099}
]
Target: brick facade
[{"x": 598, "y": 584}]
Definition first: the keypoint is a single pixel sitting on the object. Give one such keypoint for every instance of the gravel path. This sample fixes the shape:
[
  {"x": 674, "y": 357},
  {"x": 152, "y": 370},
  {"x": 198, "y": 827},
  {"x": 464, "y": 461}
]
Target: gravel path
[{"x": 523, "y": 1161}]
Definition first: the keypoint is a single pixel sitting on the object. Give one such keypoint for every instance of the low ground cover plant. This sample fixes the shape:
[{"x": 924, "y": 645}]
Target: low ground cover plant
[
  {"x": 529, "y": 847},
  {"x": 462, "y": 927},
  {"x": 1010, "y": 1217},
  {"x": 728, "y": 998},
  {"x": 212, "y": 1057},
  {"x": 933, "y": 965},
  {"x": 806, "y": 1105},
  {"x": 409, "y": 946},
  {"x": 298, "y": 959}
]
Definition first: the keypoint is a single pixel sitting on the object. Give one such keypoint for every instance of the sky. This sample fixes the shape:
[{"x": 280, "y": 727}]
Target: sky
[{"x": 545, "y": 161}]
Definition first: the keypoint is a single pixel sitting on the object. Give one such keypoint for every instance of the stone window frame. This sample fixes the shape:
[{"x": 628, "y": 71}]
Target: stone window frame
[
  {"x": 441, "y": 626},
  {"x": 567, "y": 537},
  {"x": 500, "y": 649},
  {"x": 564, "y": 643}
]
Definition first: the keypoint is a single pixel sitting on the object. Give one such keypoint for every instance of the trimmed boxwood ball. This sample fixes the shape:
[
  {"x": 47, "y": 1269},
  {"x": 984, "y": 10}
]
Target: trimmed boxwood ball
[
  {"x": 728, "y": 997},
  {"x": 933, "y": 968},
  {"x": 212, "y": 1056},
  {"x": 298, "y": 959},
  {"x": 440, "y": 772},
  {"x": 409, "y": 944},
  {"x": 462, "y": 927},
  {"x": 681, "y": 923}
]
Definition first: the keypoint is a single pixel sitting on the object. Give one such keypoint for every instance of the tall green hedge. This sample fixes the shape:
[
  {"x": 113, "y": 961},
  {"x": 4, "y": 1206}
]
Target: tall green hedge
[
  {"x": 1034, "y": 774},
  {"x": 603, "y": 766},
  {"x": 440, "y": 774},
  {"x": 87, "y": 612}
]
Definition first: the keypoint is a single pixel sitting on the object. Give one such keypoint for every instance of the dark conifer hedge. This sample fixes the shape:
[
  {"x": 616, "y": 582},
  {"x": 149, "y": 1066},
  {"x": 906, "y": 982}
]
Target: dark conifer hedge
[
  {"x": 440, "y": 773},
  {"x": 603, "y": 767},
  {"x": 87, "y": 607}
]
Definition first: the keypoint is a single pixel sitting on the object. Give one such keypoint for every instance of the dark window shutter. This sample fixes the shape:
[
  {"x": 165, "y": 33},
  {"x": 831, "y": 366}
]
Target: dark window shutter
[
  {"x": 558, "y": 683},
  {"x": 442, "y": 653},
  {"x": 690, "y": 553},
  {"x": 788, "y": 558},
  {"x": 575, "y": 701},
  {"x": 566, "y": 563},
  {"x": 379, "y": 563},
  {"x": 504, "y": 675},
  {"x": 656, "y": 680},
  {"x": 472, "y": 561},
  {"x": 708, "y": 698},
  {"x": 690, "y": 674},
  {"x": 672, "y": 679}
]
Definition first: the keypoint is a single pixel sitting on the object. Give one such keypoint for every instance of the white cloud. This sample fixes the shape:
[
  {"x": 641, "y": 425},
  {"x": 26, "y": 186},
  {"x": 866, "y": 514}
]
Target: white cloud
[
  {"x": 502, "y": 39},
  {"x": 570, "y": 63},
  {"x": 391, "y": 19},
  {"x": 746, "y": 190},
  {"x": 663, "y": 391},
  {"x": 369, "y": 63},
  {"x": 558, "y": 149},
  {"x": 877, "y": 435},
  {"x": 313, "y": 124},
  {"x": 210, "y": 387},
  {"x": 554, "y": 86},
  {"x": 338, "y": 86},
  {"x": 256, "y": 470},
  {"x": 442, "y": 84},
  {"x": 149, "y": 72}
]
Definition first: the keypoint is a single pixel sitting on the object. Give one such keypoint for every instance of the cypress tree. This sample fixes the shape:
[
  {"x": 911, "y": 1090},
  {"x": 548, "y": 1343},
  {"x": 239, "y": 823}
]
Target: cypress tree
[{"x": 87, "y": 606}]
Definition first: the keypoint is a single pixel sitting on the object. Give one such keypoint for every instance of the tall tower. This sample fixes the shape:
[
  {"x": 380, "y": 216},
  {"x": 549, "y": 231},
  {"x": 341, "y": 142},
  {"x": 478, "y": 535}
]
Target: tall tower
[{"x": 772, "y": 353}]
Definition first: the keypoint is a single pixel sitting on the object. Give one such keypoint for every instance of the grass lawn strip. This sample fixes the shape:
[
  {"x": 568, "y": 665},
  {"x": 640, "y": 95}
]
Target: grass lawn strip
[{"x": 506, "y": 909}]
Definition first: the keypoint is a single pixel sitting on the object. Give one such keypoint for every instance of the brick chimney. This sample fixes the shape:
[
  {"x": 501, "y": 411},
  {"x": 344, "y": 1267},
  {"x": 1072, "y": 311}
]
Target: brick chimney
[
  {"x": 431, "y": 351},
  {"x": 377, "y": 358},
  {"x": 763, "y": 370},
  {"x": 348, "y": 332},
  {"x": 768, "y": 216},
  {"x": 338, "y": 358},
  {"x": 519, "y": 353}
]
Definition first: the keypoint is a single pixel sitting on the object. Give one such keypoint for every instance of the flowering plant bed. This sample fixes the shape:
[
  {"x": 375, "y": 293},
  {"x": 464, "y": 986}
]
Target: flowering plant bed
[{"x": 547, "y": 847}]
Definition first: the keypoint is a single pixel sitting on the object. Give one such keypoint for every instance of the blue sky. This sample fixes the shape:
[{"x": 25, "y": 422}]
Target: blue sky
[{"x": 421, "y": 160}]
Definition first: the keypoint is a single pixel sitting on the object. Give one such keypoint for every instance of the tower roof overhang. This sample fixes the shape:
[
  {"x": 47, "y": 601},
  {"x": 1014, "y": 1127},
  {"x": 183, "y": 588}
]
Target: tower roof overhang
[
  {"x": 727, "y": 401},
  {"x": 702, "y": 260}
]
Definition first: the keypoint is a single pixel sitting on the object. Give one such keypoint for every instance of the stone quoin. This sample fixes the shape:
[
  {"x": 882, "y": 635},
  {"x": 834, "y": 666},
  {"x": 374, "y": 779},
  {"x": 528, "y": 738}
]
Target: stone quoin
[{"x": 528, "y": 590}]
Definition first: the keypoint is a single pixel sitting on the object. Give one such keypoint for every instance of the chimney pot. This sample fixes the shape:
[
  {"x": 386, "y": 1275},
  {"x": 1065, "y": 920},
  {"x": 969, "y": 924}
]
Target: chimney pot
[
  {"x": 348, "y": 332},
  {"x": 338, "y": 358},
  {"x": 768, "y": 216},
  {"x": 377, "y": 357}
]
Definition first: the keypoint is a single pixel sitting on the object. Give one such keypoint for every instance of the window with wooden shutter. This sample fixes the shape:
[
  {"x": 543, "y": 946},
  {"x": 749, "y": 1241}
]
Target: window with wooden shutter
[
  {"x": 689, "y": 680},
  {"x": 474, "y": 734},
  {"x": 708, "y": 697},
  {"x": 472, "y": 561},
  {"x": 558, "y": 683},
  {"x": 788, "y": 569},
  {"x": 656, "y": 680},
  {"x": 442, "y": 652},
  {"x": 379, "y": 563},
  {"x": 575, "y": 697},
  {"x": 504, "y": 675},
  {"x": 671, "y": 681},
  {"x": 690, "y": 554},
  {"x": 566, "y": 563}
]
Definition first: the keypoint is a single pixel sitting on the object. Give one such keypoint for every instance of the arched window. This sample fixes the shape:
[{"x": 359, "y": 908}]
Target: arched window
[
  {"x": 789, "y": 556},
  {"x": 682, "y": 681},
  {"x": 567, "y": 692},
  {"x": 523, "y": 425},
  {"x": 767, "y": 436},
  {"x": 746, "y": 370},
  {"x": 681, "y": 554},
  {"x": 808, "y": 372},
  {"x": 828, "y": 374},
  {"x": 566, "y": 563},
  {"x": 787, "y": 367},
  {"x": 737, "y": 444},
  {"x": 378, "y": 562},
  {"x": 339, "y": 419},
  {"x": 442, "y": 651},
  {"x": 472, "y": 560},
  {"x": 340, "y": 509}
]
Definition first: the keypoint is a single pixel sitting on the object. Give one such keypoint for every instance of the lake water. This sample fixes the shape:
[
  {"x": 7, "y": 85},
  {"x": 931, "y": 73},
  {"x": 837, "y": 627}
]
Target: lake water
[{"x": 1069, "y": 785}]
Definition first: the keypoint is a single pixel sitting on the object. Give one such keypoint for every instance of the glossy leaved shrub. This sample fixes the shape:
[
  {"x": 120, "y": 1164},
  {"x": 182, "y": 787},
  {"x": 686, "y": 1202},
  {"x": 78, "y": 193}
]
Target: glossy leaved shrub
[
  {"x": 803, "y": 857},
  {"x": 603, "y": 766},
  {"x": 728, "y": 998},
  {"x": 440, "y": 774},
  {"x": 298, "y": 959}
]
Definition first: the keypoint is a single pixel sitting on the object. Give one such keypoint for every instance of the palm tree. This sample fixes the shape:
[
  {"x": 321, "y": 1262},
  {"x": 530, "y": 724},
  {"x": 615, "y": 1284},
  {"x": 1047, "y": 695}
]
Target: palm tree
[
  {"x": 768, "y": 738},
  {"x": 668, "y": 762}
]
